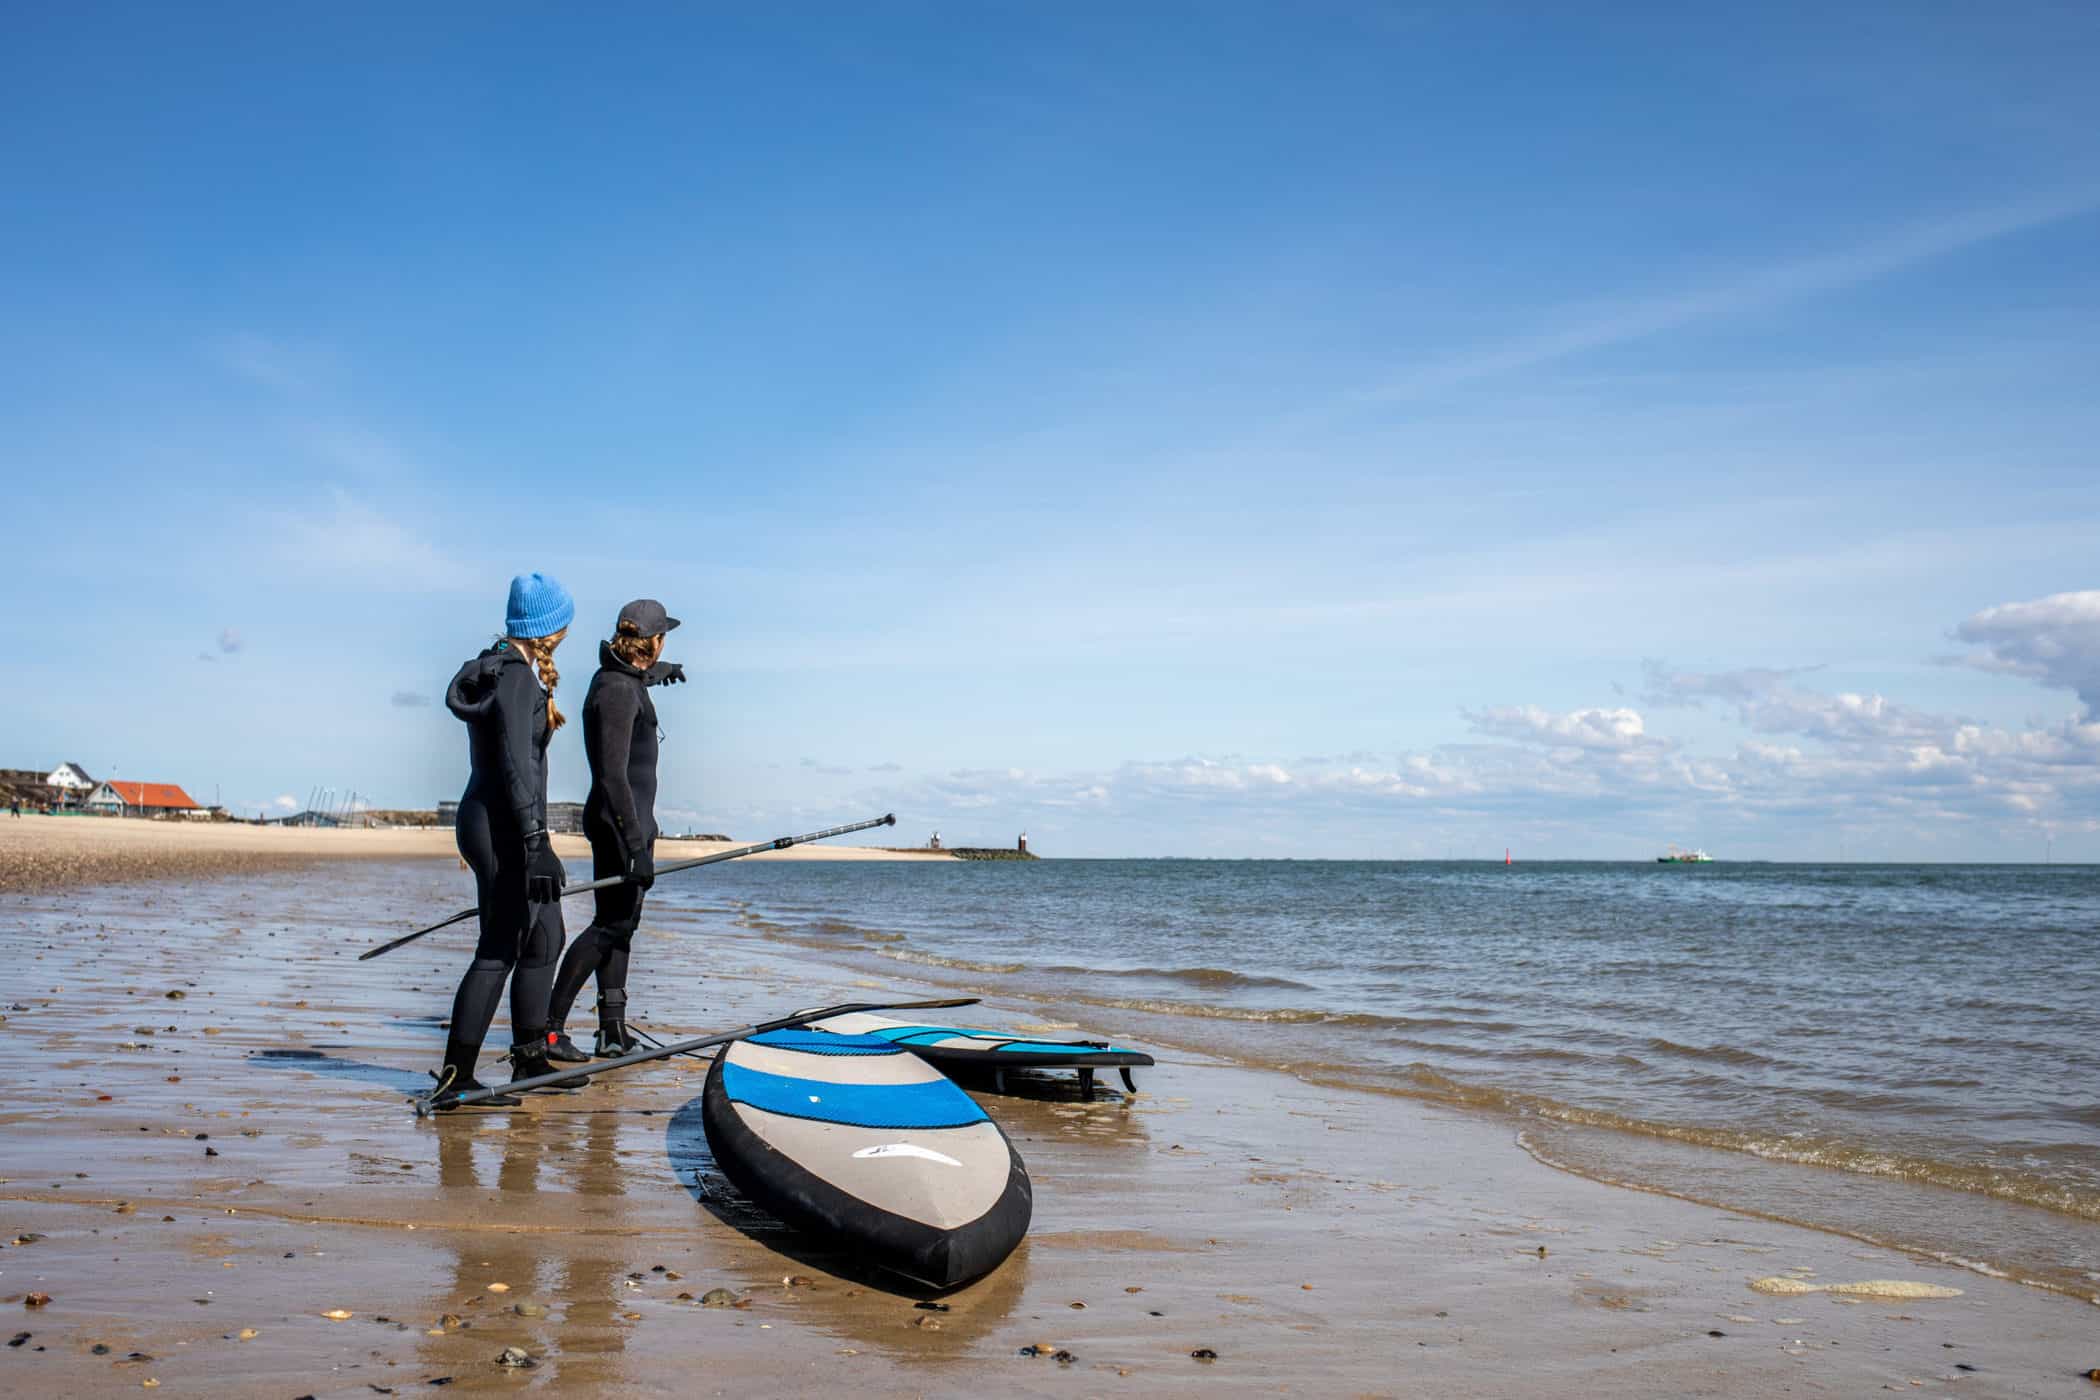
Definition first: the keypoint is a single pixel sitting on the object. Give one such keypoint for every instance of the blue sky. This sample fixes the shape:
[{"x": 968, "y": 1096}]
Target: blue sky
[{"x": 1209, "y": 429}]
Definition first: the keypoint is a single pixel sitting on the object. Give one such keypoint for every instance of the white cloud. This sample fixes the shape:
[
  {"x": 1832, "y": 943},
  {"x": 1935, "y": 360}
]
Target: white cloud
[
  {"x": 1587, "y": 729},
  {"x": 2054, "y": 640}
]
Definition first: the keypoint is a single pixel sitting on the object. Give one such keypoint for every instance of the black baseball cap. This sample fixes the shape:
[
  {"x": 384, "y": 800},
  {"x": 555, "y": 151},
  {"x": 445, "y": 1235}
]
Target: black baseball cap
[{"x": 647, "y": 617}]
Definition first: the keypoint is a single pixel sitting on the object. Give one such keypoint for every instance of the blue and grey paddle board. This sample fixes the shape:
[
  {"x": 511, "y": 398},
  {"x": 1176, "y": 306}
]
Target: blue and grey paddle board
[{"x": 855, "y": 1141}]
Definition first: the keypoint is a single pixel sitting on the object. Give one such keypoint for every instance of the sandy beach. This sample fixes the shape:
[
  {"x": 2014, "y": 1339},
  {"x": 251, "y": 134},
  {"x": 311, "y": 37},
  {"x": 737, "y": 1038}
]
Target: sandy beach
[
  {"x": 208, "y": 1166},
  {"x": 39, "y": 852}
]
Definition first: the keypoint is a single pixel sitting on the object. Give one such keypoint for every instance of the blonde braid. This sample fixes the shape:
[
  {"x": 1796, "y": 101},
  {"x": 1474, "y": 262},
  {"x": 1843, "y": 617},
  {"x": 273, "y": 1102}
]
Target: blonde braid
[{"x": 540, "y": 652}]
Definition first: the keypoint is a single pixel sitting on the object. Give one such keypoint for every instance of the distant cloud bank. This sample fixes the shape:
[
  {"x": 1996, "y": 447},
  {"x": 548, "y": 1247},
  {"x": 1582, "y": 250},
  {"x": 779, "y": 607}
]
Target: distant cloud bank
[{"x": 1859, "y": 760}]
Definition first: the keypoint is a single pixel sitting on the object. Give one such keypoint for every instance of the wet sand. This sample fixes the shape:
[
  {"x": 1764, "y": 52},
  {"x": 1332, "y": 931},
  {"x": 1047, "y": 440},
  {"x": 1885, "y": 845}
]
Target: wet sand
[
  {"x": 210, "y": 1175},
  {"x": 38, "y": 852}
]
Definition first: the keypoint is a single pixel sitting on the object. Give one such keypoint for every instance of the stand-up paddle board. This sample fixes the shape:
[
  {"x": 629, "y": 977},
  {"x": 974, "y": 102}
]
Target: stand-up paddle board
[
  {"x": 958, "y": 1047},
  {"x": 861, "y": 1144}
]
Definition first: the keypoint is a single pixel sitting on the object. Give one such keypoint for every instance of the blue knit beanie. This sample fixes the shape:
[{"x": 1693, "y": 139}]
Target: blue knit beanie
[{"x": 539, "y": 607}]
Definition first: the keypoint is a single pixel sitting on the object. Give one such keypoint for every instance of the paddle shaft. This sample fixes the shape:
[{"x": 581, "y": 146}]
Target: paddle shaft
[
  {"x": 662, "y": 1052},
  {"x": 778, "y": 843}
]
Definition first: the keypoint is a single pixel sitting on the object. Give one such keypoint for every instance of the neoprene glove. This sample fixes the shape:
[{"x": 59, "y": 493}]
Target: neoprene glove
[
  {"x": 666, "y": 673},
  {"x": 641, "y": 867},
  {"x": 545, "y": 875}
]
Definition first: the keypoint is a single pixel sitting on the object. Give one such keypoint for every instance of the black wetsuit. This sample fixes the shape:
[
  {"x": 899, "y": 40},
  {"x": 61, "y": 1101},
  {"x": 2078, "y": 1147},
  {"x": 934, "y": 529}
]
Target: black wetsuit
[
  {"x": 619, "y": 816},
  {"x": 499, "y": 697}
]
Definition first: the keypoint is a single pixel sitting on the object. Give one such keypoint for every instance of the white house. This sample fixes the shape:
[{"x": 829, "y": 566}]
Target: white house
[{"x": 71, "y": 777}]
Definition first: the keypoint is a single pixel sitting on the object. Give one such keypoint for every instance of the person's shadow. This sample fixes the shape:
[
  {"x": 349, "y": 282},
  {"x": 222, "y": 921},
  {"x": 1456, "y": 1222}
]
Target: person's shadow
[{"x": 320, "y": 1062}]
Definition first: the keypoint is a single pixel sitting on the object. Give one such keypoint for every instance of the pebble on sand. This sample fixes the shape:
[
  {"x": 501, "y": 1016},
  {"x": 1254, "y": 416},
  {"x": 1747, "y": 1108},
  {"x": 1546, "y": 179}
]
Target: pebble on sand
[
  {"x": 499, "y": 1288},
  {"x": 36, "y": 1300},
  {"x": 515, "y": 1357},
  {"x": 718, "y": 1298},
  {"x": 1203, "y": 1354},
  {"x": 529, "y": 1309},
  {"x": 338, "y": 1314}
]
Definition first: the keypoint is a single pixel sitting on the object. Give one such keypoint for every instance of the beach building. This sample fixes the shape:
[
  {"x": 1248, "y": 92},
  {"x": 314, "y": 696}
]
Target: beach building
[
  {"x": 71, "y": 778},
  {"x": 128, "y": 799}
]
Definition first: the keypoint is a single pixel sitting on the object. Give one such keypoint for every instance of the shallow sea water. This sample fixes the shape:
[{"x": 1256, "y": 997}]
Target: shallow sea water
[{"x": 1907, "y": 1053}]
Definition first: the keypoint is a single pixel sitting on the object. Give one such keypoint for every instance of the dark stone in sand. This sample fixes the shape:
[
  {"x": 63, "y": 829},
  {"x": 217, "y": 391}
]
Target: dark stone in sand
[
  {"x": 1717, "y": 1334},
  {"x": 516, "y": 1358},
  {"x": 1063, "y": 1357},
  {"x": 28, "y": 1237},
  {"x": 931, "y": 1307},
  {"x": 717, "y": 1298},
  {"x": 1204, "y": 1354},
  {"x": 211, "y": 1151},
  {"x": 36, "y": 1300},
  {"x": 98, "y": 1349},
  {"x": 19, "y": 1338}
]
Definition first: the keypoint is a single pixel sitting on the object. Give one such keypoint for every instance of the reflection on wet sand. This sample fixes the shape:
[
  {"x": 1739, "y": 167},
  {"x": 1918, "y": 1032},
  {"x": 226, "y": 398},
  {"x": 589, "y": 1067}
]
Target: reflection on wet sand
[{"x": 557, "y": 1295}]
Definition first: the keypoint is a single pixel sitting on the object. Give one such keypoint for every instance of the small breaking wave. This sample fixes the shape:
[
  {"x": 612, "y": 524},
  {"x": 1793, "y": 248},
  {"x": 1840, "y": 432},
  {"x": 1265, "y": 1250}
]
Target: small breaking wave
[
  {"x": 1219, "y": 978},
  {"x": 1726, "y": 1054},
  {"x": 1282, "y": 1015},
  {"x": 912, "y": 955}
]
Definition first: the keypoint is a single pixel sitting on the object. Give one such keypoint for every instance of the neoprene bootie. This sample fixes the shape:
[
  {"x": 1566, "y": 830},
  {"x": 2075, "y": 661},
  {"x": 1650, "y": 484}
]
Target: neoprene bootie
[
  {"x": 614, "y": 1039},
  {"x": 456, "y": 1077},
  {"x": 562, "y": 1050},
  {"x": 528, "y": 1060}
]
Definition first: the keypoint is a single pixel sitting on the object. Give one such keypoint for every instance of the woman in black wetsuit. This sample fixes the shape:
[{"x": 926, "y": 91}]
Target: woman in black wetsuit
[
  {"x": 506, "y": 697},
  {"x": 619, "y": 737}
]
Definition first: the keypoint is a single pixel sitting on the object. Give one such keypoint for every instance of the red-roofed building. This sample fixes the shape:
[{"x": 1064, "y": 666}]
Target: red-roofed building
[{"x": 126, "y": 799}]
